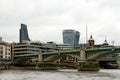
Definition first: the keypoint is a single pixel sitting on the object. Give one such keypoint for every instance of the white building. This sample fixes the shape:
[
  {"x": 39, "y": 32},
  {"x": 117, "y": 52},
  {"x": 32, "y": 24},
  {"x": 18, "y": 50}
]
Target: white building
[{"x": 5, "y": 50}]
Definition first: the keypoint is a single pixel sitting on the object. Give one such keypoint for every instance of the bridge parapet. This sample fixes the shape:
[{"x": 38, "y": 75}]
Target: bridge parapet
[{"x": 82, "y": 54}]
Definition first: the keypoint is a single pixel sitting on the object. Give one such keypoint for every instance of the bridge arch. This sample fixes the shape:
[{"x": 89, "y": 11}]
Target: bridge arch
[
  {"x": 53, "y": 56},
  {"x": 99, "y": 54},
  {"x": 24, "y": 58}
]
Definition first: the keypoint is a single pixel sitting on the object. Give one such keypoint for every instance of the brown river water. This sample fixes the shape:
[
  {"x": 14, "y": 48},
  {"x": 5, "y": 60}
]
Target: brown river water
[{"x": 62, "y": 74}]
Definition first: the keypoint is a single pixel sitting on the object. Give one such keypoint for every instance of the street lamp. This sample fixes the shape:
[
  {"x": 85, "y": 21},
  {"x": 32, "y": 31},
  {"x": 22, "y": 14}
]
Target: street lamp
[{"x": 113, "y": 43}]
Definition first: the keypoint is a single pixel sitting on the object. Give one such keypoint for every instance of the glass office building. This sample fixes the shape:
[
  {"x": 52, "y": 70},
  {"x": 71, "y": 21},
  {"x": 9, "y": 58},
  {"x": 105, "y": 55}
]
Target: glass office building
[
  {"x": 24, "y": 33},
  {"x": 71, "y": 37}
]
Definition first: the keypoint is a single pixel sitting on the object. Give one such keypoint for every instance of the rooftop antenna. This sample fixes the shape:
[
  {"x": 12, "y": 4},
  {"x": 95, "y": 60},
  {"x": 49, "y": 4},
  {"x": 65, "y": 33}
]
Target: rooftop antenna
[
  {"x": 105, "y": 38},
  {"x": 86, "y": 35}
]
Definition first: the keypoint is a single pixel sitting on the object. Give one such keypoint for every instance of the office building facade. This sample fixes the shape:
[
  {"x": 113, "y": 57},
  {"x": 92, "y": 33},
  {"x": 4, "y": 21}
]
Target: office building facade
[
  {"x": 71, "y": 37},
  {"x": 24, "y": 33},
  {"x": 25, "y": 48},
  {"x": 5, "y": 50}
]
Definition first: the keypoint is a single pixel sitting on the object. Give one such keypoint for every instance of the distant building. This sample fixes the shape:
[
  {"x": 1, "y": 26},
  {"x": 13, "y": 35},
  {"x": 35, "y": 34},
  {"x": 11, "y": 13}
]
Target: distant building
[
  {"x": 91, "y": 42},
  {"x": 5, "y": 50},
  {"x": 25, "y": 48},
  {"x": 83, "y": 45},
  {"x": 64, "y": 46},
  {"x": 71, "y": 37},
  {"x": 24, "y": 33},
  {"x": 56, "y": 46}
]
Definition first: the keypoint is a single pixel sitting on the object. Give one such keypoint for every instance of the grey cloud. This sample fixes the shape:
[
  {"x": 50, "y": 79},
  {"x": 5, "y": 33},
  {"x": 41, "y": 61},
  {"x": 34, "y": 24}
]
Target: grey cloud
[
  {"x": 110, "y": 3},
  {"x": 49, "y": 17}
]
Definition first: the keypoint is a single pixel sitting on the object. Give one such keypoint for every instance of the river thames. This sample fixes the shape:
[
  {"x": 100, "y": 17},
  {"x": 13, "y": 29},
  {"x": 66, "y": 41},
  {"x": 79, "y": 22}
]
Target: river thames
[{"x": 63, "y": 74}]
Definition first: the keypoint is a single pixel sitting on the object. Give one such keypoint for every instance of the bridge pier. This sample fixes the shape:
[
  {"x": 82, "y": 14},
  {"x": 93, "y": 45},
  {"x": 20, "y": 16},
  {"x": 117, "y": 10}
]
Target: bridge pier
[
  {"x": 84, "y": 65},
  {"x": 82, "y": 55},
  {"x": 44, "y": 65},
  {"x": 88, "y": 66},
  {"x": 40, "y": 57}
]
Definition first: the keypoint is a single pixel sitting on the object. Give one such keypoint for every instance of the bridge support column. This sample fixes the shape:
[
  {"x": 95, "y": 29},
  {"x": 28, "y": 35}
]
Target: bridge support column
[
  {"x": 40, "y": 57},
  {"x": 88, "y": 66},
  {"x": 84, "y": 65},
  {"x": 82, "y": 55}
]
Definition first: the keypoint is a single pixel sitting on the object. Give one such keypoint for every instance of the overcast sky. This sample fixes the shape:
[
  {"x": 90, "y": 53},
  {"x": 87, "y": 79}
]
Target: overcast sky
[{"x": 46, "y": 19}]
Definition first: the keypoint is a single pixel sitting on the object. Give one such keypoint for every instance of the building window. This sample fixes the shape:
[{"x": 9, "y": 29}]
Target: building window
[
  {"x": 8, "y": 57},
  {"x": 9, "y": 53},
  {"x": 1, "y": 51}
]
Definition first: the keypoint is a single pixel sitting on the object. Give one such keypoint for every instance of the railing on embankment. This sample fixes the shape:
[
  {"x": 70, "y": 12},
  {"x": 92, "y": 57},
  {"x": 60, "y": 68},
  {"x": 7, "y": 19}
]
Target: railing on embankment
[
  {"x": 118, "y": 62},
  {"x": 39, "y": 66},
  {"x": 4, "y": 66},
  {"x": 88, "y": 66},
  {"x": 45, "y": 66}
]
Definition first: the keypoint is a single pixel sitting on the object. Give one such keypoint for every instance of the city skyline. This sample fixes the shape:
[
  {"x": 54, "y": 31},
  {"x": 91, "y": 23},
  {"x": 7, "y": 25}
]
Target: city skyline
[{"x": 47, "y": 19}]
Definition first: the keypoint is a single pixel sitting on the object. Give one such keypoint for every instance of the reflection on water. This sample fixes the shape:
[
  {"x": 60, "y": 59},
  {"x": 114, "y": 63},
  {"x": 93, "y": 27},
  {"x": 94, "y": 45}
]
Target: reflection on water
[{"x": 64, "y": 74}]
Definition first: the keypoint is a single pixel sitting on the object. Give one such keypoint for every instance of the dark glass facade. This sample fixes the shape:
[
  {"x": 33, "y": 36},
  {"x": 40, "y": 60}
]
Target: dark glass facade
[
  {"x": 71, "y": 37},
  {"x": 24, "y": 33}
]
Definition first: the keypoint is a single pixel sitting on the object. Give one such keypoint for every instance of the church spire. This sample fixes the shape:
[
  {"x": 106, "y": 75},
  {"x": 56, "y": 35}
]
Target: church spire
[
  {"x": 91, "y": 42},
  {"x": 91, "y": 38},
  {"x": 105, "y": 43}
]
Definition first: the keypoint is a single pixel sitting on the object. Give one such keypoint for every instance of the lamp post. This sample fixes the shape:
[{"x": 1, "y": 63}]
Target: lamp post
[{"x": 113, "y": 42}]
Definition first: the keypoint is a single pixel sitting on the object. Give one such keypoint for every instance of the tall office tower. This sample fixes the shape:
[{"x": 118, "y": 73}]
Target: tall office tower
[
  {"x": 24, "y": 33},
  {"x": 71, "y": 37}
]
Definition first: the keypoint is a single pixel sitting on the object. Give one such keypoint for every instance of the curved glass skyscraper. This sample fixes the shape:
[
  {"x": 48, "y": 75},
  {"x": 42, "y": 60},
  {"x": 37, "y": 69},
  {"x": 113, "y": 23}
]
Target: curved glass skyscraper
[
  {"x": 71, "y": 37},
  {"x": 24, "y": 33}
]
